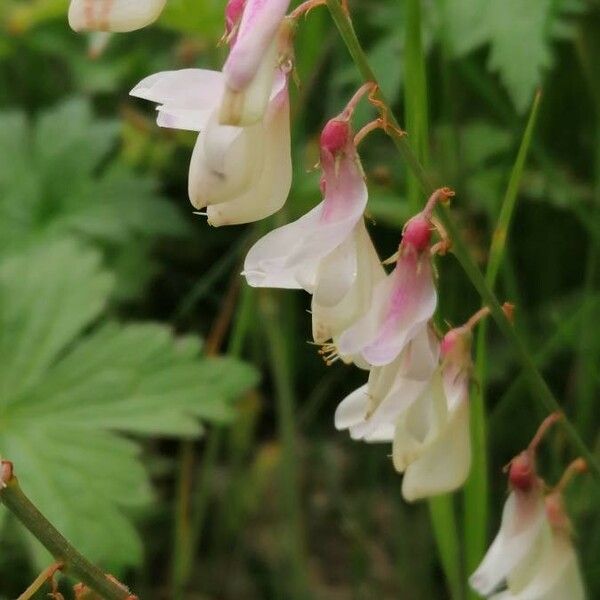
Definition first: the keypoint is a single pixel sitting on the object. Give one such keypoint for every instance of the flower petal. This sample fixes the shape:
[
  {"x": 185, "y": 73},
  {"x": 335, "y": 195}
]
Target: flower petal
[
  {"x": 523, "y": 520},
  {"x": 187, "y": 97},
  {"x": 351, "y": 410},
  {"x": 444, "y": 463},
  {"x": 401, "y": 305},
  {"x": 224, "y": 162},
  {"x": 113, "y": 15},
  {"x": 270, "y": 185}
]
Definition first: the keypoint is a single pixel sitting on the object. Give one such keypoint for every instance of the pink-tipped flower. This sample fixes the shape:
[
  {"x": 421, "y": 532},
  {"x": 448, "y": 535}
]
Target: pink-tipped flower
[
  {"x": 432, "y": 444},
  {"x": 403, "y": 302},
  {"x": 253, "y": 58},
  {"x": 290, "y": 257},
  {"x": 370, "y": 413},
  {"x": 241, "y": 174},
  {"x": 532, "y": 556},
  {"x": 113, "y": 15}
]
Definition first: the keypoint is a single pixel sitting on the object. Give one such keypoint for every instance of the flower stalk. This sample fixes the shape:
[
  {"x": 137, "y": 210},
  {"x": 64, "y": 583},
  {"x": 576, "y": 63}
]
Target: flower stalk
[
  {"x": 537, "y": 384},
  {"x": 72, "y": 562}
]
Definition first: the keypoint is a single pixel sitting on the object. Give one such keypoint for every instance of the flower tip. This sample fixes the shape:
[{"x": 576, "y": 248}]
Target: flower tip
[
  {"x": 233, "y": 13},
  {"x": 417, "y": 233},
  {"x": 521, "y": 473},
  {"x": 335, "y": 135},
  {"x": 6, "y": 472}
]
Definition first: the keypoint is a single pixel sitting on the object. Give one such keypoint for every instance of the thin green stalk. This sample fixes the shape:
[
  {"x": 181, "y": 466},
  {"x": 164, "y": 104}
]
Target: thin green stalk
[
  {"x": 476, "y": 489},
  {"x": 537, "y": 384},
  {"x": 441, "y": 508},
  {"x": 13, "y": 497},
  {"x": 280, "y": 368}
]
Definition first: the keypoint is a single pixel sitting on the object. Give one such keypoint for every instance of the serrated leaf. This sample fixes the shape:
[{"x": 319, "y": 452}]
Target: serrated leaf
[
  {"x": 56, "y": 178},
  {"x": 67, "y": 398}
]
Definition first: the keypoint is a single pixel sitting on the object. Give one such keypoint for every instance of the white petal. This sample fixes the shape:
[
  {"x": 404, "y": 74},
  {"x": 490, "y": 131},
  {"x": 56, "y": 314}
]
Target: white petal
[
  {"x": 557, "y": 577},
  {"x": 523, "y": 519},
  {"x": 270, "y": 184},
  {"x": 444, "y": 463},
  {"x": 187, "y": 97},
  {"x": 290, "y": 255},
  {"x": 351, "y": 410},
  {"x": 224, "y": 162},
  {"x": 113, "y": 15},
  {"x": 354, "y": 276}
]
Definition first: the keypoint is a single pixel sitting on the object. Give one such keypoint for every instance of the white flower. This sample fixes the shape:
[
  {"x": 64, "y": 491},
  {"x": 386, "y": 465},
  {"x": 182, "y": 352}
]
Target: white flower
[
  {"x": 371, "y": 412},
  {"x": 113, "y": 15},
  {"x": 292, "y": 256},
  {"x": 532, "y": 556},
  {"x": 241, "y": 174},
  {"x": 402, "y": 303},
  {"x": 432, "y": 445},
  {"x": 255, "y": 53}
]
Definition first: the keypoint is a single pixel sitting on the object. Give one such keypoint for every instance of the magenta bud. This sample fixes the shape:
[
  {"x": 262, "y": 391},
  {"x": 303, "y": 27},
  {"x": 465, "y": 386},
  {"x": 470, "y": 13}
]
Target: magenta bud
[
  {"x": 335, "y": 135},
  {"x": 233, "y": 13},
  {"x": 521, "y": 474},
  {"x": 417, "y": 233},
  {"x": 449, "y": 341}
]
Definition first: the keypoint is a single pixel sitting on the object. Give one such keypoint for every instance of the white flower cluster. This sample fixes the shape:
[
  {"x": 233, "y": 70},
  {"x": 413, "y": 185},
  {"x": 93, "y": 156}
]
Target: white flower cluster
[{"x": 417, "y": 394}]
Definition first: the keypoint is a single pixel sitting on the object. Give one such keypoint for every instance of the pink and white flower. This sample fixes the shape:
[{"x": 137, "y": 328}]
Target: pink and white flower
[
  {"x": 290, "y": 257},
  {"x": 403, "y": 302},
  {"x": 432, "y": 445},
  {"x": 532, "y": 556},
  {"x": 113, "y": 15},
  {"x": 241, "y": 174},
  {"x": 370, "y": 413},
  {"x": 258, "y": 41}
]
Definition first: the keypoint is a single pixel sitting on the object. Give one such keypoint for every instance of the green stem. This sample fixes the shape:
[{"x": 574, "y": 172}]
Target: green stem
[
  {"x": 13, "y": 497},
  {"x": 441, "y": 508},
  {"x": 476, "y": 489},
  {"x": 538, "y": 386}
]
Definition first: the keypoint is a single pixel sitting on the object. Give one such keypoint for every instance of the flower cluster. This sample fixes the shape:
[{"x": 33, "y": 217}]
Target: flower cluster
[
  {"x": 417, "y": 394},
  {"x": 532, "y": 556}
]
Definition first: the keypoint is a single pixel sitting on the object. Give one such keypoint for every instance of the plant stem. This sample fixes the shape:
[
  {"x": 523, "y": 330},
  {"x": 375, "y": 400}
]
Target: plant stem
[
  {"x": 441, "y": 508},
  {"x": 47, "y": 575},
  {"x": 537, "y": 384},
  {"x": 476, "y": 489},
  {"x": 13, "y": 497}
]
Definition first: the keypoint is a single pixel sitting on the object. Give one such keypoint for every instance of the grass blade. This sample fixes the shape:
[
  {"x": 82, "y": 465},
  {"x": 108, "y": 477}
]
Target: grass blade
[{"x": 476, "y": 489}]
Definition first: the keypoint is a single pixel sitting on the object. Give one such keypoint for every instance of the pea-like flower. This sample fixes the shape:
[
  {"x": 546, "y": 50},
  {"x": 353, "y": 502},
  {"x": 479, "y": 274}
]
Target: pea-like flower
[
  {"x": 404, "y": 301},
  {"x": 532, "y": 556},
  {"x": 113, "y": 15},
  {"x": 328, "y": 251},
  {"x": 432, "y": 445},
  {"x": 370, "y": 413},
  {"x": 239, "y": 174}
]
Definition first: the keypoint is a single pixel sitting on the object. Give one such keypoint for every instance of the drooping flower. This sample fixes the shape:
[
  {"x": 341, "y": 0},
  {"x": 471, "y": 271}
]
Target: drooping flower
[
  {"x": 370, "y": 413},
  {"x": 532, "y": 556},
  {"x": 403, "y": 302},
  {"x": 240, "y": 174},
  {"x": 113, "y": 15},
  {"x": 255, "y": 53},
  {"x": 432, "y": 445}
]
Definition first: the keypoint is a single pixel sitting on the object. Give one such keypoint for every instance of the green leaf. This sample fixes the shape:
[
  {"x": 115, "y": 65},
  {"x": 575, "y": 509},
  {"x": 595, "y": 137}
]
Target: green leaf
[
  {"x": 67, "y": 397},
  {"x": 57, "y": 177},
  {"x": 519, "y": 34}
]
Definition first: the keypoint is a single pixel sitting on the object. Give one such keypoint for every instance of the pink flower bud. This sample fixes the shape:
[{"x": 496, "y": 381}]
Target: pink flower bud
[
  {"x": 417, "y": 233},
  {"x": 335, "y": 135},
  {"x": 521, "y": 474},
  {"x": 233, "y": 13}
]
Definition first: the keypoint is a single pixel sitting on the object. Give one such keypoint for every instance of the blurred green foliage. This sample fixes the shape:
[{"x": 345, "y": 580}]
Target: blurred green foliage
[{"x": 96, "y": 235}]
